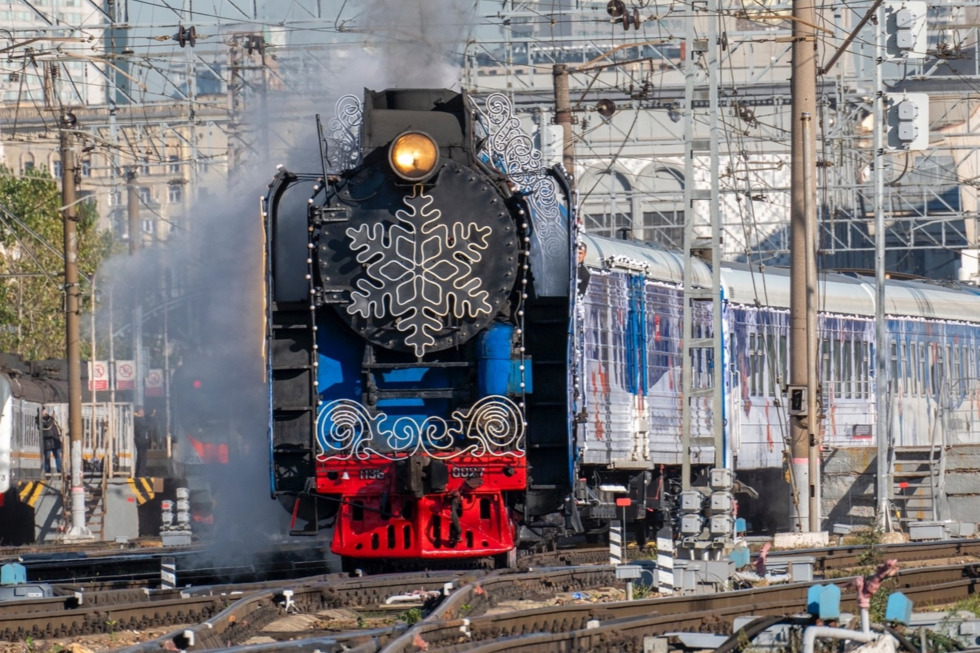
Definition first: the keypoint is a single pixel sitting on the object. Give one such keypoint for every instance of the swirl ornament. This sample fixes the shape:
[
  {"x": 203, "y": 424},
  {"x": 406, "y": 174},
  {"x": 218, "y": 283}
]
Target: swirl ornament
[
  {"x": 509, "y": 149},
  {"x": 343, "y": 144},
  {"x": 348, "y": 428},
  {"x": 493, "y": 426}
]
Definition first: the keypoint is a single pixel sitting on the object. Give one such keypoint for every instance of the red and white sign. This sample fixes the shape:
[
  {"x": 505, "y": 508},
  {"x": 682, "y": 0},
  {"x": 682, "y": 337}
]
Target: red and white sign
[
  {"x": 125, "y": 375},
  {"x": 154, "y": 383},
  {"x": 98, "y": 375}
]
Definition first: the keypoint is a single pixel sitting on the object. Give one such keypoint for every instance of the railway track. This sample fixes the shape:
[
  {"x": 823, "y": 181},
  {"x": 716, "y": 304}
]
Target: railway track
[
  {"x": 219, "y": 616},
  {"x": 459, "y": 623},
  {"x": 622, "y": 626},
  {"x": 195, "y": 565}
]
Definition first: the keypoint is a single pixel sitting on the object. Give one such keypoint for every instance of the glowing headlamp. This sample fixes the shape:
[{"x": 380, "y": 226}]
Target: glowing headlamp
[{"x": 413, "y": 156}]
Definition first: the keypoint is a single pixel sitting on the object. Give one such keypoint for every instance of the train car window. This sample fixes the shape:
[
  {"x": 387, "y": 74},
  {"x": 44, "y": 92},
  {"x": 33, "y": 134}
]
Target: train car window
[
  {"x": 770, "y": 373},
  {"x": 826, "y": 381},
  {"x": 838, "y": 388},
  {"x": 923, "y": 371},
  {"x": 957, "y": 369},
  {"x": 848, "y": 365},
  {"x": 869, "y": 365},
  {"x": 758, "y": 364},
  {"x": 964, "y": 368},
  {"x": 923, "y": 378},
  {"x": 760, "y": 367},
  {"x": 893, "y": 365},
  {"x": 860, "y": 359},
  {"x": 915, "y": 373},
  {"x": 904, "y": 367},
  {"x": 783, "y": 357},
  {"x": 920, "y": 372},
  {"x": 950, "y": 364}
]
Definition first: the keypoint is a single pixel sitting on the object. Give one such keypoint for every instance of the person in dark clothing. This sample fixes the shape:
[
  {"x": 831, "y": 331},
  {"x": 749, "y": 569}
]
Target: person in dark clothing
[
  {"x": 50, "y": 441},
  {"x": 583, "y": 272},
  {"x": 153, "y": 426},
  {"x": 141, "y": 441}
]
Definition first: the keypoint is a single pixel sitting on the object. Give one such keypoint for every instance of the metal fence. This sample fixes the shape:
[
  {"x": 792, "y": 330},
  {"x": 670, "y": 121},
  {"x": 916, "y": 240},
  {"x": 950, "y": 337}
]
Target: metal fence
[{"x": 107, "y": 434}]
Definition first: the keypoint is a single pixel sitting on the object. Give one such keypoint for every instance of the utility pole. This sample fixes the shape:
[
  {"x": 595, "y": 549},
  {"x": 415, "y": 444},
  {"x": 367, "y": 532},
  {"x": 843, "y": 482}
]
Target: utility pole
[
  {"x": 882, "y": 412},
  {"x": 78, "y": 530},
  {"x": 563, "y": 117},
  {"x": 804, "y": 429},
  {"x": 135, "y": 236}
]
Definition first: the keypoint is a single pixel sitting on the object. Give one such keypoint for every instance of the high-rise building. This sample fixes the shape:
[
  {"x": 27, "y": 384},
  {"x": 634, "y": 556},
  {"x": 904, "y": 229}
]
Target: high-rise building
[{"x": 54, "y": 53}]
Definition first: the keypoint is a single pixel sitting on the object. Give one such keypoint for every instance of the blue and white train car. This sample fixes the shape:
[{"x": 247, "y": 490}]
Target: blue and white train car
[{"x": 629, "y": 430}]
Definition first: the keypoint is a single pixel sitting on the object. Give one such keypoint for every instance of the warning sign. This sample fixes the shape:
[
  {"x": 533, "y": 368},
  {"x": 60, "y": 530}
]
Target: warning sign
[
  {"x": 98, "y": 375},
  {"x": 154, "y": 383},
  {"x": 125, "y": 375}
]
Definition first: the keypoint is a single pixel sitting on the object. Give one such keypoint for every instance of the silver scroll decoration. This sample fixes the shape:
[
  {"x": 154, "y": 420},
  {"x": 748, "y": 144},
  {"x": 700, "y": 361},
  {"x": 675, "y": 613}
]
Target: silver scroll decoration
[
  {"x": 343, "y": 137},
  {"x": 493, "y": 426},
  {"x": 510, "y": 150}
]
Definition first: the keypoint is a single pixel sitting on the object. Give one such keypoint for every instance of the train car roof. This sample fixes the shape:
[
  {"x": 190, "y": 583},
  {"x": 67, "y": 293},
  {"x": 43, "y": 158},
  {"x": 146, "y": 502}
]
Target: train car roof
[
  {"x": 844, "y": 294},
  {"x": 849, "y": 294},
  {"x": 653, "y": 260}
]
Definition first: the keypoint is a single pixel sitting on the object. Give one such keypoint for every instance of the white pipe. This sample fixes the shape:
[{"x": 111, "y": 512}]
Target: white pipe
[{"x": 811, "y": 634}]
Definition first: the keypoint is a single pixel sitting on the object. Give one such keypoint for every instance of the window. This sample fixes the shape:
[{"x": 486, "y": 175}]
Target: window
[
  {"x": 86, "y": 167},
  {"x": 56, "y": 169},
  {"x": 146, "y": 226},
  {"x": 864, "y": 378},
  {"x": 145, "y": 166},
  {"x": 145, "y": 196},
  {"x": 922, "y": 369},
  {"x": 823, "y": 353},
  {"x": 906, "y": 369},
  {"x": 957, "y": 368},
  {"x": 773, "y": 364},
  {"x": 914, "y": 373},
  {"x": 115, "y": 198},
  {"x": 176, "y": 193},
  {"x": 894, "y": 381},
  {"x": 174, "y": 167},
  {"x": 783, "y": 358},
  {"x": 608, "y": 208}
]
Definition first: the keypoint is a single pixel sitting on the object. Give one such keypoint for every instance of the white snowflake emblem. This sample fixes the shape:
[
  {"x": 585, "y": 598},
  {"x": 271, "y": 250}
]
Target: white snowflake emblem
[{"x": 420, "y": 271}]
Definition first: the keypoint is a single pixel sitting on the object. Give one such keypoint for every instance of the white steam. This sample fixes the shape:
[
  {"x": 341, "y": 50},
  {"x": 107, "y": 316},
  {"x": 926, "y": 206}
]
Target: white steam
[{"x": 214, "y": 264}]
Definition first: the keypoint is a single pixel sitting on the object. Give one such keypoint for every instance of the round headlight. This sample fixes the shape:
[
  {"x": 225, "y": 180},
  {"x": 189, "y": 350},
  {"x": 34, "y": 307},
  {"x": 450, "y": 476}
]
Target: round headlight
[{"x": 413, "y": 156}]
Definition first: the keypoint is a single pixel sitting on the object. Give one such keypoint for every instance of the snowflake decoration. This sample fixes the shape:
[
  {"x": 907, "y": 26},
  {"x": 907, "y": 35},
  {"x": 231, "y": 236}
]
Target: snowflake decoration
[{"x": 420, "y": 271}]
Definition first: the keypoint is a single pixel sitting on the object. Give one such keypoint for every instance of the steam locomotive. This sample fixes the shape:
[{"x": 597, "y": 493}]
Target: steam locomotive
[
  {"x": 415, "y": 372},
  {"x": 447, "y": 381}
]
